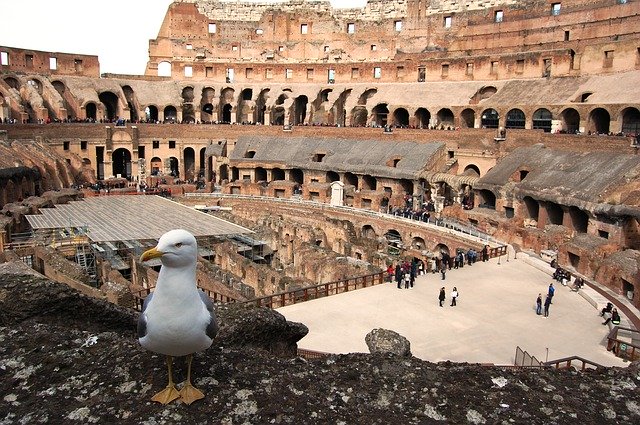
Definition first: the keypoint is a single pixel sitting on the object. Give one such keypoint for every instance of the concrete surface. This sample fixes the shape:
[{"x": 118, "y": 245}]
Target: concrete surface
[{"x": 495, "y": 313}]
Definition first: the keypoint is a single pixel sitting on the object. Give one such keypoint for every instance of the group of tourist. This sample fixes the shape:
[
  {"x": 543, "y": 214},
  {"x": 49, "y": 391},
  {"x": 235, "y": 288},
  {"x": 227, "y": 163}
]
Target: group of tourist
[
  {"x": 547, "y": 302},
  {"x": 610, "y": 314}
]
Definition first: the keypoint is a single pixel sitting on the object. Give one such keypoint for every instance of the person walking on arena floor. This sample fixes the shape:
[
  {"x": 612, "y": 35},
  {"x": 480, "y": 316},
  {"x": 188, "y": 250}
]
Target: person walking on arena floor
[
  {"x": 547, "y": 303},
  {"x": 551, "y": 292},
  {"x": 442, "y": 296},
  {"x": 454, "y": 296},
  {"x": 539, "y": 305}
]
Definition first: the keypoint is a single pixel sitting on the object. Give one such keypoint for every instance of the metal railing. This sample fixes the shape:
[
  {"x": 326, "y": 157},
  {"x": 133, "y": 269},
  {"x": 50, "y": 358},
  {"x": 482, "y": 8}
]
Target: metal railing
[
  {"x": 285, "y": 298},
  {"x": 216, "y": 297},
  {"x": 524, "y": 359},
  {"x": 565, "y": 363},
  {"x": 625, "y": 348},
  {"x": 322, "y": 290},
  {"x": 310, "y": 354}
]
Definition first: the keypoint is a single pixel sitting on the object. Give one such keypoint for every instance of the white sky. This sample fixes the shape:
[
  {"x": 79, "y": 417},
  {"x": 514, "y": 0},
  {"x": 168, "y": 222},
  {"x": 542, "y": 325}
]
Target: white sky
[{"x": 118, "y": 31}]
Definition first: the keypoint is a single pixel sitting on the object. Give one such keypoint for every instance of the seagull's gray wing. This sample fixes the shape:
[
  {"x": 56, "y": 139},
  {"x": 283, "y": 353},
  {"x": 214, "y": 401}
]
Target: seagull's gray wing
[
  {"x": 142, "y": 319},
  {"x": 212, "y": 327}
]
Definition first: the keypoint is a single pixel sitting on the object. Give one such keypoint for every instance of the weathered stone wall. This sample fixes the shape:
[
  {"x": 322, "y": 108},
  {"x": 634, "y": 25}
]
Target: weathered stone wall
[{"x": 37, "y": 61}]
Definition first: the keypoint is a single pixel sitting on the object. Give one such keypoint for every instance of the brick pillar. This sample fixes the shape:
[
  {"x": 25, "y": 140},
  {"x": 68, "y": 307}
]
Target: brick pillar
[{"x": 542, "y": 215}]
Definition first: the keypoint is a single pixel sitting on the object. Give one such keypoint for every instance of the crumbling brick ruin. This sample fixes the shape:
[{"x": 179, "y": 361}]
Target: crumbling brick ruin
[{"x": 519, "y": 118}]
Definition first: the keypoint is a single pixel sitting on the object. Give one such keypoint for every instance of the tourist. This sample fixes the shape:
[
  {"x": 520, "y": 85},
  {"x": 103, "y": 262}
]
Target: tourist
[
  {"x": 398, "y": 275},
  {"x": 606, "y": 309},
  {"x": 547, "y": 303},
  {"x": 539, "y": 304},
  {"x": 442, "y": 296},
  {"x": 485, "y": 253},
  {"x": 390, "y": 272},
  {"x": 443, "y": 270},
  {"x": 551, "y": 292},
  {"x": 454, "y": 296},
  {"x": 407, "y": 279},
  {"x": 614, "y": 317}
]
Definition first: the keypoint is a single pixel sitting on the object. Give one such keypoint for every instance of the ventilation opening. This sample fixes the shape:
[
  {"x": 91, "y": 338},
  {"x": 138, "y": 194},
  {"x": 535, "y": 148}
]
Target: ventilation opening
[
  {"x": 574, "y": 260},
  {"x": 555, "y": 214},
  {"x": 249, "y": 154},
  {"x": 603, "y": 234},
  {"x": 318, "y": 157}
]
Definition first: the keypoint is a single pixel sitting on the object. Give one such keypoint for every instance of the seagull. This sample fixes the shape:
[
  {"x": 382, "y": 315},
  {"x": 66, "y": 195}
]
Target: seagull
[{"x": 177, "y": 319}]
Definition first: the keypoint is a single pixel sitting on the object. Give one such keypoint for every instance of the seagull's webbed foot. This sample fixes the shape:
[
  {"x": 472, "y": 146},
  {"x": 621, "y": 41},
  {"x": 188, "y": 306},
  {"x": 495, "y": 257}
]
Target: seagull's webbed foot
[
  {"x": 189, "y": 393},
  {"x": 170, "y": 393},
  {"x": 167, "y": 395}
]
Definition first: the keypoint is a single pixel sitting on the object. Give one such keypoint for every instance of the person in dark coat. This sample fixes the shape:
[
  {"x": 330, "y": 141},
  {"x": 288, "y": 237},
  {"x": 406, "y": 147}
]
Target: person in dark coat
[
  {"x": 547, "y": 303},
  {"x": 442, "y": 296},
  {"x": 485, "y": 253},
  {"x": 399, "y": 275},
  {"x": 539, "y": 305}
]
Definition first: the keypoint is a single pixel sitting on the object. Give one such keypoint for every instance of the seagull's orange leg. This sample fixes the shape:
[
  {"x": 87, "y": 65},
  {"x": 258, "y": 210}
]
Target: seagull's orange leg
[
  {"x": 189, "y": 393},
  {"x": 170, "y": 393}
]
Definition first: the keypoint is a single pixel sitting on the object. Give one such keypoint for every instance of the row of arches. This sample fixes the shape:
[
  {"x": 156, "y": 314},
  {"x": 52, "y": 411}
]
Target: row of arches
[
  {"x": 122, "y": 164},
  {"x": 327, "y": 108},
  {"x": 598, "y": 119},
  {"x": 393, "y": 236}
]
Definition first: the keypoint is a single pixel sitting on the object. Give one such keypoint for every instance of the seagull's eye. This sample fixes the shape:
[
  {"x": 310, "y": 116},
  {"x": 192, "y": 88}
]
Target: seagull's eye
[{"x": 178, "y": 245}]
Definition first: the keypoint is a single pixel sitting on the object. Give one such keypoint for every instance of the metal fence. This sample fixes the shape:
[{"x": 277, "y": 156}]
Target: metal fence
[{"x": 525, "y": 359}]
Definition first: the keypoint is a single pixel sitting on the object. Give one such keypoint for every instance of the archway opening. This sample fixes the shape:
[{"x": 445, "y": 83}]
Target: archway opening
[
  {"x": 170, "y": 114},
  {"x": 300, "y": 110},
  {"x": 579, "y": 219},
  {"x": 174, "y": 166},
  {"x": 442, "y": 249},
  {"x": 570, "y": 120},
  {"x": 532, "y": 208},
  {"x": 380, "y": 113},
  {"x": 91, "y": 111},
  {"x": 132, "y": 103},
  {"x": 369, "y": 182},
  {"x": 332, "y": 176},
  {"x": 164, "y": 69},
  {"x": 487, "y": 199},
  {"x": 600, "y": 120},
  {"x": 418, "y": 243},
  {"x": 422, "y": 117},
  {"x": 555, "y": 213},
  {"x": 297, "y": 175},
  {"x": 401, "y": 117},
  {"x": 359, "y": 116},
  {"x": 156, "y": 165},
  {"x": 110, "y": 102},
  {"x": 515, "y": 119},
  {"x": 490, "y": 118},
  {"x": 226, "y": 113},
  {"x": 151, "y": 113},
  {"x": 631, "y": 121},
  {"x": 122, "y": 163},
  {"x": 277, "y": 174},
  {"x": 468, "y": 118},
  {"x": 351, "y": 179},
  {"x": 445, "y": 118},
  {"x": 368, "y": 232},
  {"x": 189, "y": 164},
  {"x": 542, "y": 120},
  {"x": 261, "y": 175},
  {"x": 471, "y": 170}
]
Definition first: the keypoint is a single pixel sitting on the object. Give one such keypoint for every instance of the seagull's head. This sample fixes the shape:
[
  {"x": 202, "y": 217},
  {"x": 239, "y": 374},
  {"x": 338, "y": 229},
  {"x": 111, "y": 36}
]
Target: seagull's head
[{"x": 176, "y": 248}]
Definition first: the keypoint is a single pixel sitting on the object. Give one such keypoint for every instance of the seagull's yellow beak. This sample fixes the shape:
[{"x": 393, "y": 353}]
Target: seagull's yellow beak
[{"x": 151, "y": 254}]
